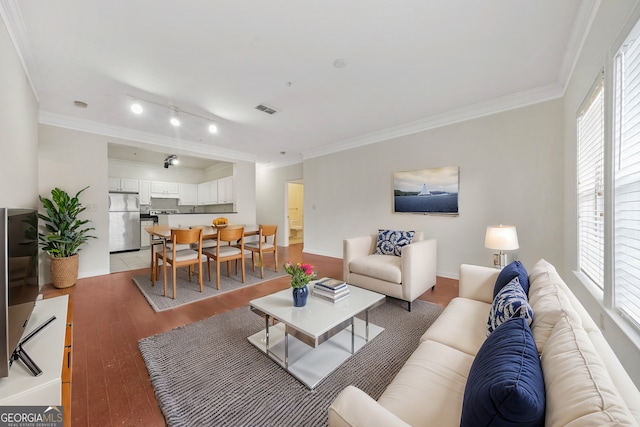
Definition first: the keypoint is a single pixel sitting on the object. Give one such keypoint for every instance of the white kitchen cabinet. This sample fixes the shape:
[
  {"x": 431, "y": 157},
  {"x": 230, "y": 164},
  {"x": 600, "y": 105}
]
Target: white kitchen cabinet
[
  {"x": 145, "y": 237},
  {"x": 188, "y": 194},
  {"x": 225, "y": 190},
  {"x": 164, "y": 189},
  {"x": 208, "y": 193},
  {"x": 123, "y": 184},
  {"x": 203, "y": 193},
  {"x": 145, "y": 192}
]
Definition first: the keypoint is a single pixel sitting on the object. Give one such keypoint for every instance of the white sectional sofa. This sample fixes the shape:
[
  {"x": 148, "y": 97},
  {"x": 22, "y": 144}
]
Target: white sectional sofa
[{"x": 584, "y": 382}]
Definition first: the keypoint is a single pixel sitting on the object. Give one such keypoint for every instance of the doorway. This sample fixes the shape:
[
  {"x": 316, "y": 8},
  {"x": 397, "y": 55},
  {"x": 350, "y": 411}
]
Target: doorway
[{"x": 295, "y": 212}]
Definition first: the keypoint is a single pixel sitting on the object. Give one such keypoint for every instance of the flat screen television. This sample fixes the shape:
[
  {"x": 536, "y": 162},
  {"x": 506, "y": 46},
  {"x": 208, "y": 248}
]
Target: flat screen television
[{"x": 18, "y": 276}]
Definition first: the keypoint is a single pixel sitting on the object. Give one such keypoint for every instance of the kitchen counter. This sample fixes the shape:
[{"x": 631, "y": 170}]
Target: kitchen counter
[
  {"x": 149, "y": 216},
  {"x": 191, "y": 219},
  {"x": 203, "y": 213}
]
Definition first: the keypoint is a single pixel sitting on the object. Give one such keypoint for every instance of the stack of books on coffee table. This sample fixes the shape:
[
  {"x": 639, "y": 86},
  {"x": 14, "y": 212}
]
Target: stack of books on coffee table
[{"x": 333, "y": 290}]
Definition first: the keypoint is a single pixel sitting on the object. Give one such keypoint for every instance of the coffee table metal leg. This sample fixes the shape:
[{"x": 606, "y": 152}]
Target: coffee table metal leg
[
  {"x": 366, "y": 316},
  {"x": 353, "y": 334},
  {"x": 286, "y": 349},
  {"x": 266, "y": 333}
]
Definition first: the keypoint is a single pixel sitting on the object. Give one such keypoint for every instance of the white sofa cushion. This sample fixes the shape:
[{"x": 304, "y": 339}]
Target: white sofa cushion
[
  {"x": 416, "y": 393},
  {"x": 579, "y": 390},
  {"x": 354, "y": 407},
  {"x": 548, "y": 301},
  {"x": 383, "y": 267},
  {"x": 462, "y": 325}
]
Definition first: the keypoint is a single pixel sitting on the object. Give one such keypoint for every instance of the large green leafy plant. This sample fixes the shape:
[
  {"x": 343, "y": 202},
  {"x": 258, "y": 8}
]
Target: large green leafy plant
[{"x": 65, "y": 232}]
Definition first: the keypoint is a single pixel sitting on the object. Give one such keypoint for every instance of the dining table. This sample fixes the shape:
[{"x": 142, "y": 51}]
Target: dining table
[{"x": 161, "y": 234}]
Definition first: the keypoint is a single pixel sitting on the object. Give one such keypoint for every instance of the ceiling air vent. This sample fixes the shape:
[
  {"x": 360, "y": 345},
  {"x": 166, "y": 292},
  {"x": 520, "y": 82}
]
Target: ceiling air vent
[{"x": 266, "y": 109}]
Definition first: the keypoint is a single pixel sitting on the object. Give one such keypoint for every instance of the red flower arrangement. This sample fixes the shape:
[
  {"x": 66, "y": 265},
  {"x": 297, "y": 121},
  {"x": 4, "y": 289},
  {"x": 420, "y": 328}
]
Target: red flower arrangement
[{"x": 301, "y": 273}]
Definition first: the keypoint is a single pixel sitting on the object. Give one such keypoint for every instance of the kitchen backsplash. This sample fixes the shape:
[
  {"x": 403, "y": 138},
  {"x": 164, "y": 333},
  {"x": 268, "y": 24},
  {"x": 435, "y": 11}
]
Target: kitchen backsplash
[{"x": 161, "y": 204}]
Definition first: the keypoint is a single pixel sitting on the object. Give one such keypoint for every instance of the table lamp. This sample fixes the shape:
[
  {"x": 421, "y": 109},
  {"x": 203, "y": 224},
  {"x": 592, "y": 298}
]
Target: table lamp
[{"x": 502, "y": 238}]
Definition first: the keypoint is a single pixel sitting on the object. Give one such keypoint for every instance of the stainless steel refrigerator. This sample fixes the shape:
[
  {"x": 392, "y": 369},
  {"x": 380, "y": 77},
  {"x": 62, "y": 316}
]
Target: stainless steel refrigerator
[{"x": 124, "y": 222}]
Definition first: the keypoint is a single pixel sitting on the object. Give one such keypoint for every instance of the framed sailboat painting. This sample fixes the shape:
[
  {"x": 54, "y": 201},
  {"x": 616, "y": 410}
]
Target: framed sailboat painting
[{"x": 427, "y": 191}]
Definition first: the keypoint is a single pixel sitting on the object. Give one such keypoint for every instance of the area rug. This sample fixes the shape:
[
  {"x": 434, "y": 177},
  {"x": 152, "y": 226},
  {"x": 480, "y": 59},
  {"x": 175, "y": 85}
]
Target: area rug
[
  {"x": 189, "y": 292},
  {"x": 207, "y": 373}
]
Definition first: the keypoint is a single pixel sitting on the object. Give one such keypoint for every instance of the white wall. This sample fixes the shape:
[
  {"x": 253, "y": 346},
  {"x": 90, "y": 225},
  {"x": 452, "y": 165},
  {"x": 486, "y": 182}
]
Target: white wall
[
  {"x": 510, "y": 173},
  {"x": 146, "y": 171},
  {"x": 271, "y": 193},
  {"x": 19, "y": 127},
  {"x": 141, "y": 170},
  {"x": 607, "y": 31},
  {"x": 72, "y": 160}
]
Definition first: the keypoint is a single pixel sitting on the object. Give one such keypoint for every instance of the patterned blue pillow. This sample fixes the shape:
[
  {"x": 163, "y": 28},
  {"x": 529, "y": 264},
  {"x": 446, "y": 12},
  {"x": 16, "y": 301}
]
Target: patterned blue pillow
[
  {"x": 511, "y": 302},
  {"x": 390, "y": 242}
]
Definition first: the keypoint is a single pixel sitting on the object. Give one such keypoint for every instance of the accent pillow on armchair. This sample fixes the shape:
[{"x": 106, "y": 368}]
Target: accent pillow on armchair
[{"x": 391, "y": 242}]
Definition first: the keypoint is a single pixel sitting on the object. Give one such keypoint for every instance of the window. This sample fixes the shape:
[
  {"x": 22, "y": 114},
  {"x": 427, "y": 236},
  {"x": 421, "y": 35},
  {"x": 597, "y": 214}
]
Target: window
[
  {"x": 626, "y": 143},
  {"x": 591, "y": 186}
]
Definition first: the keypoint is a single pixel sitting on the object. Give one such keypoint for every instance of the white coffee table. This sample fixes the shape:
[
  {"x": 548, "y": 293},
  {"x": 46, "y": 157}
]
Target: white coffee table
[{"x": 311, "y": 342}]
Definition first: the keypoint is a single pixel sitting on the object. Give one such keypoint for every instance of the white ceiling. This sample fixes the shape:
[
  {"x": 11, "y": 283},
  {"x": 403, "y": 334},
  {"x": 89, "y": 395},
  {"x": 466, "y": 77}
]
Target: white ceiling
[{"x": 410, "y": 65}]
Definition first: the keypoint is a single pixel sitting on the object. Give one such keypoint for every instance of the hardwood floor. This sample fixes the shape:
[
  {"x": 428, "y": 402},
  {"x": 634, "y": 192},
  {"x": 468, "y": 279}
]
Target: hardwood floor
[{"x": 110, "y": 383}]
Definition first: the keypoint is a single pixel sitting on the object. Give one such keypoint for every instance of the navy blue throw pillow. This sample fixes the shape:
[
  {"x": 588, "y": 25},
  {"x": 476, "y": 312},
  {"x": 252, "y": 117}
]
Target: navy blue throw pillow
[
  {"x": 515, "y": 269},
  {"x": 505, "y": 386}
]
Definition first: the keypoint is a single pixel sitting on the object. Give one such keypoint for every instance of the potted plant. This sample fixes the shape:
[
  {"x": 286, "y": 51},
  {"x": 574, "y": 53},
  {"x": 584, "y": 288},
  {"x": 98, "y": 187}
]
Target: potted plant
[
  {"x": 65, "y": 234},
  {"x": 301, "y": 275}
]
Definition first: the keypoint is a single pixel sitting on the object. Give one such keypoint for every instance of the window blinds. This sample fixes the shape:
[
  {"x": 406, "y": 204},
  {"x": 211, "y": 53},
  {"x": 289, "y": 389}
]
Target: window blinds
[
  {"x": 626, "y": 140},
  {"x": 591, "y": 186}
]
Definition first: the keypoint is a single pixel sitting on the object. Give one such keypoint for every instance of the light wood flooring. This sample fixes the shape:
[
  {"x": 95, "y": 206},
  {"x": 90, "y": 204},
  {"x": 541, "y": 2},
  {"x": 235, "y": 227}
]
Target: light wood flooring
[{"x": 110, "y": 383}]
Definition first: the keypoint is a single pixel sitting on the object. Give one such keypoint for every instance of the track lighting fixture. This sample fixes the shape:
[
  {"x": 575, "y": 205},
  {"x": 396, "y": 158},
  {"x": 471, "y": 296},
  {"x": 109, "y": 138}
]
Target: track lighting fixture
[
  {"x": 137, "y": 107},
  {"x": 171, "y": 160}
]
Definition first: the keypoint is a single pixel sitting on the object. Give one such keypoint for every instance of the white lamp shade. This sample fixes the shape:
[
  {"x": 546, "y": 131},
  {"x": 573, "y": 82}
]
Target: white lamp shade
[{"x": 501, "y": 237}]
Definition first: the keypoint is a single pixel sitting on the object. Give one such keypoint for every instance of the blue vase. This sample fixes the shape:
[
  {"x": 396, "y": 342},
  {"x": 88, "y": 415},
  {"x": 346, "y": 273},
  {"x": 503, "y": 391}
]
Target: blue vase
[{"x": 300, "y": 296}]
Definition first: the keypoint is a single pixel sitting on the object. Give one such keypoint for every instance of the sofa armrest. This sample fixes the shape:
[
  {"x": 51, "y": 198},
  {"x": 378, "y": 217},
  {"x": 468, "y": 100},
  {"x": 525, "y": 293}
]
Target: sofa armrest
[
  {"x": 419, "y": 263},
  {"x": 354, "y": 248},
  {"x": 353, "y": 407},
  {"x": 477, "y": 282}
]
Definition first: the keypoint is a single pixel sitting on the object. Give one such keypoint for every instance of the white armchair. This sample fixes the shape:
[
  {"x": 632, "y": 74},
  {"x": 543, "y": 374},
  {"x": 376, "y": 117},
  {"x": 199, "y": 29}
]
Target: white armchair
[{"x": 404, "y": 277}]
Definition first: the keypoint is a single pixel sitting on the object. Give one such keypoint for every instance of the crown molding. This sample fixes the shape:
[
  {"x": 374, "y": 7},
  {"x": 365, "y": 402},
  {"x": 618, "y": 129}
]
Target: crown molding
[
  {"x": 12, "y": 18},
  {"x": 506, "y": 103},
  {"x": 582, "y": 25},
  {"x": 158, "y": 141},
  {"x": 276, "y": 165}
]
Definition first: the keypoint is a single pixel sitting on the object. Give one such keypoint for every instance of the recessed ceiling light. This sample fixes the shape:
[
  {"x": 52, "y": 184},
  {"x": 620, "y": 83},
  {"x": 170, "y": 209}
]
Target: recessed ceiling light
[
  {"x": 175, "y": 118},
  {"x": 213, "y": 128},
  {"x": 136, "y": 108},
  {"x": 80, "y": 104}
]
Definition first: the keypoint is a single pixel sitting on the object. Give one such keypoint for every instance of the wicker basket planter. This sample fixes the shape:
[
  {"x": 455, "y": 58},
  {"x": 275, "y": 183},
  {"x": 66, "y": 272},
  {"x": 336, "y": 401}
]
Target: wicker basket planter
[{"x": 64, "y": 271}]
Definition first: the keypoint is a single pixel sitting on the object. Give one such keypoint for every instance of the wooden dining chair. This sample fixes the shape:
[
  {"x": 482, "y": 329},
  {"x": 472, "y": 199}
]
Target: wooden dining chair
[
  {"x": 265, "y": 244},
  {"x": 157, "y": 249},
  {"x": 208, "y": 243},
  {"x": 229, "y": 247},
  {"x": 182, "y": 258}
]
